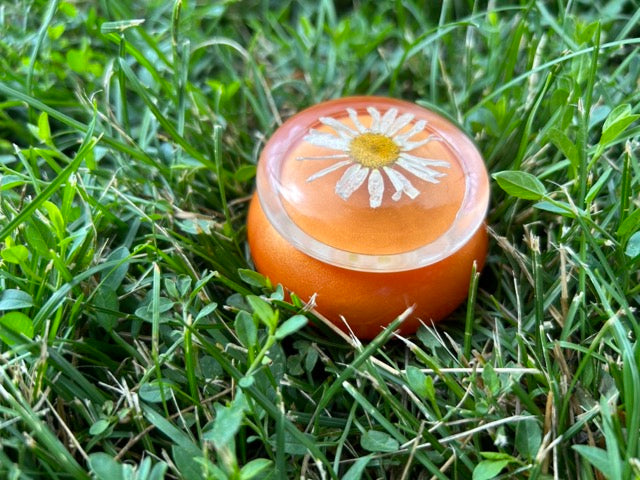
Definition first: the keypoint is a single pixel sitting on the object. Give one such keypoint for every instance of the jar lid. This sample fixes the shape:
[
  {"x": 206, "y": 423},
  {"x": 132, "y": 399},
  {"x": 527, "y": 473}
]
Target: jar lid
[{"x": 373, "y": 184}]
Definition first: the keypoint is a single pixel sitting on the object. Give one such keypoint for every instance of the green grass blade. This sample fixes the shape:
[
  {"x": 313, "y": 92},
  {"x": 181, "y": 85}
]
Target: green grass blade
[{"x": 86, "y": 147}]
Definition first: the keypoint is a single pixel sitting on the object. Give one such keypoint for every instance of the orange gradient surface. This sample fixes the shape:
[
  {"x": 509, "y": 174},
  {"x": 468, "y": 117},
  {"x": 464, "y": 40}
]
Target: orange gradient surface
[
  {"x": 368, "y": 301},
  {"x": 351, "y": 224},
  {"x": 405, "y": 232}
]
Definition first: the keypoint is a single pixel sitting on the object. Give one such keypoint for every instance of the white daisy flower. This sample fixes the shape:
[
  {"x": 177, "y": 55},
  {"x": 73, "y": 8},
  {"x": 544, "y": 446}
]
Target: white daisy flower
[{"x": 367, "y": 152}]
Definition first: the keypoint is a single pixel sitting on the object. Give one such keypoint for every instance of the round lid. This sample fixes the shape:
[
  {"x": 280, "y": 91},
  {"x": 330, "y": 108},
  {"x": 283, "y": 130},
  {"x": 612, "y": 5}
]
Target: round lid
[{"x": 373, "y": 184}]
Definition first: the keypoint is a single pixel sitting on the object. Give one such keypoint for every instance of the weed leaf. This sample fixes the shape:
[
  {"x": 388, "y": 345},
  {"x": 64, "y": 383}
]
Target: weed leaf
[
  {"x": 488, "y": 469},
  {"x": 290, "y": 326},
  {"x": 596, "y": 457},
  {"x": 12, "y": 299},
  {"x": 520, "y": 184},
  {"x": 375, "y": 441},
  {"x": 633, "y": 246},
  {"x": 18, "y": 323},
  {"x": 357, "y": 469},
  {"x": 528, "y": 438},
  {"x": 254, "y": 468},
  {"x": 105, "y": 467},
  {"x": 616, "y": 123}
]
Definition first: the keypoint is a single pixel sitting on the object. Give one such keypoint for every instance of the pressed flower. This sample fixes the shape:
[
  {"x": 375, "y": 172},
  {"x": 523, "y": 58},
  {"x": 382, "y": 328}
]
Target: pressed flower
[{"x": 384, "y": 146}]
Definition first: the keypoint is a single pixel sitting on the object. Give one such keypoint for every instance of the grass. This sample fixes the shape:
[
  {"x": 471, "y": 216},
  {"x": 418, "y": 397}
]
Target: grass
[{"x": 138, "y": 343}]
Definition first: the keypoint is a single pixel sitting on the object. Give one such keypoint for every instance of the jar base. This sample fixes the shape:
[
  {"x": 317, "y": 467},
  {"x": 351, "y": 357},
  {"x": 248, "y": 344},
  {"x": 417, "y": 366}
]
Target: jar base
[{"x": 367, "y": 301}]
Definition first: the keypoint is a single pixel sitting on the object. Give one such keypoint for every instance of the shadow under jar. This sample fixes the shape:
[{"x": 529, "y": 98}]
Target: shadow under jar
[{"x": 373, "y": 205}]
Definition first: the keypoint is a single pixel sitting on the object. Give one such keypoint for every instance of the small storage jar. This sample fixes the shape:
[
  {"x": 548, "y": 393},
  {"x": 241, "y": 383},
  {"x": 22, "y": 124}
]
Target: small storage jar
[{"x": 370, "y": 205}]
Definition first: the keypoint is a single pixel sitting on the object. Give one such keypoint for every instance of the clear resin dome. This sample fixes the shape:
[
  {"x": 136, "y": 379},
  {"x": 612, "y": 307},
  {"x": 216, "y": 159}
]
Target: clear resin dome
[{"x": 373, "y": 184}]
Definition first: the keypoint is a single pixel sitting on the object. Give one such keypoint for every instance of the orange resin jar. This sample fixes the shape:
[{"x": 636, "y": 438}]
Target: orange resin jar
[{"x": 371, "y": 205}]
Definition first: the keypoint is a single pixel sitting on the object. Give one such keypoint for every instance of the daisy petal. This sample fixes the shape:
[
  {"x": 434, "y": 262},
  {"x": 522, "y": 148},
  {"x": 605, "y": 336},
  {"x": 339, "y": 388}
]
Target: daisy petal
[
  {"x": 395, "y": 181},
  {"x": 424, "y": 173},
  {"x": 327, "y": 140},
  {"x": 387, "y": 120},
  {"x": 401, "y": 184},
  {"x": 376, "y": 188},
  {"x": 353, "y": 115},
  {"x": 426, "y": 162},
  {"x": 425, "y": 166},
  {"x": 418, "y": 127},
  {"x": 399, "y": 124},
  {"x": 324, "y": 157},
  {"x": 345, "y": 135},
  {"x": 351, "y": 180},
  {"x": 408, "y": 146},
  {"x": 327, "y": 170},
  {"x": 338, "y": 126},
  {"x": 375, "y": 119}
]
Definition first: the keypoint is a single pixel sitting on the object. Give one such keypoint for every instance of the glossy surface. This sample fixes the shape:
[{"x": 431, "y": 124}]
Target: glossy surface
[
  {"x": 367, "y": 301},
  {"x": 316, "y": 209},
  {"x": 371, "y": 205},
  {"x": 373, "y": 184}
]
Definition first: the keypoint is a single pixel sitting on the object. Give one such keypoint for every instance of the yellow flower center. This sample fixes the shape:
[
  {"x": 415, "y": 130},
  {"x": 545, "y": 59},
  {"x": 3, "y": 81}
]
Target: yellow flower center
[{"x": 373, "y": 150}]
